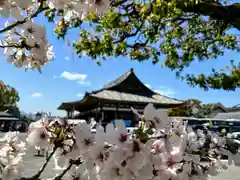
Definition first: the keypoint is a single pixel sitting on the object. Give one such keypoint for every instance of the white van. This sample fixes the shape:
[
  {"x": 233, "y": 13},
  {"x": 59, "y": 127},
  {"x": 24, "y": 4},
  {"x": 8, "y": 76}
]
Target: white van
[
  {"x": 75, "y": 122},
  {"x": 130, "y": 130}
]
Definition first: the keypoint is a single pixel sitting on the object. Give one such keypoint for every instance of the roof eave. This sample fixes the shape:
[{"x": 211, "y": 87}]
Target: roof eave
[
  {"x": 139, "y": 102},
  {"x": 71, "y": 104}
]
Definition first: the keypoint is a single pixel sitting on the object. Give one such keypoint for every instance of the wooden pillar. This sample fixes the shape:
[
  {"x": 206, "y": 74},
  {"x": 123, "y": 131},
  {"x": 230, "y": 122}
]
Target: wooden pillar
[
  {"x": 102, "y": 115},
  {"x": 116, "y": 112},
  {"x": 68, "y": 113},
  {"x": 101, "y": 112},
  {"x": 72, "y": 113}
]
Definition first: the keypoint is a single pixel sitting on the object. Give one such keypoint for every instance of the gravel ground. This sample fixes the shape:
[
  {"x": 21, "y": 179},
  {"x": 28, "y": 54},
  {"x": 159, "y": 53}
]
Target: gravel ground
[{"x": 33, "y": 164}]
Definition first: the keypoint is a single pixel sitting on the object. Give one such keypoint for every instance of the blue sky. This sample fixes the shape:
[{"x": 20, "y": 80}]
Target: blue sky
[{"x": 68, "y": 77}]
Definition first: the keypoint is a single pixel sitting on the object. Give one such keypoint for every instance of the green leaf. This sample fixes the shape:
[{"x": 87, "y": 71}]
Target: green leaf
[{"x": 182, "y": 32}]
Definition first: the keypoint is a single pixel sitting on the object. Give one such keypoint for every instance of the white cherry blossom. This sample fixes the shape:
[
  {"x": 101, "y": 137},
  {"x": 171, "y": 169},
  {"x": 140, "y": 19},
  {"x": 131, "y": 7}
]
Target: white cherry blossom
[
  {"x": 43, "y": 122},
  {"x": 84, "y": 137},
  {"x": 38, "y": 137},
  {"x": 13, "y": 169},
  {"x": 159, "y": 118},
  {"x": 11, "y": 154},
  {"x": 26, "y": 45},
  {"x": 110, "y": 154},
  {"x": 117, "y": 135}
]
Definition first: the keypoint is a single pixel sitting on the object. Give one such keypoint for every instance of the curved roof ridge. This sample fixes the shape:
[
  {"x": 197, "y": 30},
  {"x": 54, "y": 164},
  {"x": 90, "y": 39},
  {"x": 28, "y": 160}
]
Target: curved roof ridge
[{"x": 118, "y": 80}]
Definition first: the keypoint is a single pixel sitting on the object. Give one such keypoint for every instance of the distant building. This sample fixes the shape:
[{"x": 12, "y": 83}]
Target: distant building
[
  {"x": 4, "y": 116},
  {"x": 231, "y": 113},
  {"x": 228, "y": 115},
  {"x": 9, "y": 122},
  {"x": 42, "y": 114},
  {"x": 115, "y": 99},
  {"x": 235, "y": 108},
  {"x": 38, "y": 116},
  {"x": 218, "y": 108},
  {"x": 12, "y": 109}
]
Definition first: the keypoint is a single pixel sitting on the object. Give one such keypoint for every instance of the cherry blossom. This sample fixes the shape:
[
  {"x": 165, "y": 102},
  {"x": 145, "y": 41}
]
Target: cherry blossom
[
  {"x": 117, "y": 135},
  {"x": 25, "y": 43},
  {"x": 84, "y": 137},
  {"x": 158, "y": 118},
  {"x": 11, "y": 155},
  {"x": 176, "y": 152},
  {"x": 13, "y": 168},
  {"x": 162, "y": 148},
  {"x": 27, "y": 46},
  {"x": 38, "y": 137}
]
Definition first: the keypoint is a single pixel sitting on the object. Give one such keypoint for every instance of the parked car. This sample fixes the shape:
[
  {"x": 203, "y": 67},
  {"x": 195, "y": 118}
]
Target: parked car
[
  {"x": 236, "y": 137},
  {"x": 130, "y": 131}
]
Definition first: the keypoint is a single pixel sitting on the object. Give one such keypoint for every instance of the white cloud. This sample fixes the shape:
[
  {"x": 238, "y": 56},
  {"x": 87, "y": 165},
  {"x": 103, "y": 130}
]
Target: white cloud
[
  {"x": 81, "y": 82},
  {"x": 80, "y": 95},
  {"x": 85, "y": 83},
  {"x": 67, "y": 58},
  {"x": 148, "y": 85},
  {"x": 165, "y": 91},
  {"x": 73, "y": 76},
  {"x": 36, "y": 94}
]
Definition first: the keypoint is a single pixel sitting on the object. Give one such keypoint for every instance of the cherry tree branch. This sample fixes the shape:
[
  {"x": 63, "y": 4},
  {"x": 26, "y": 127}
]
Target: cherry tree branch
[
  {"x": 229, "y": 14},
  {"x": 10, "y": 46},
  {"x": 45, "y": 164},
  {"x": 19, "y": 45},
  {"x": 40, "y": 9},
  {"x": 71, "y": 163},
  {"x": 36, "y": 176}
]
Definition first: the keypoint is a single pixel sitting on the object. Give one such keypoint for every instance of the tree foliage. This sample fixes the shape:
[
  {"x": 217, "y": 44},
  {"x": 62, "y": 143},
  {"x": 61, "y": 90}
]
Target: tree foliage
[
  {"x": 192, "y": 108},
  {"x": 8, "y": 96},
  {"x": 180, "y": 31},
  {"x": 174, "y": 33}
]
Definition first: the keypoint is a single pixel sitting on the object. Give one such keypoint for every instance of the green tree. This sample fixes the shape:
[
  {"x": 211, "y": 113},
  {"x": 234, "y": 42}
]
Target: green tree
[
  {"x": 180, "y": 31},
  {"x": 192, "y": 108},
  {"x": 177, "y": 31},
  {"x": 8, "y": 96}
]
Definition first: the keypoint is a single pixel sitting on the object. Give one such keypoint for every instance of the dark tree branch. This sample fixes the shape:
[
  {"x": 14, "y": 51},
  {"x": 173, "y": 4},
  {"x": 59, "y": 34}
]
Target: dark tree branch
[
  {"x": 127, "y": 35},
  {"x": 11, "y": 46},
  {"x": 71, "y": 163},
  {"x": 20, "y": 45},
  {"x": 229, "y": 14},
  {"x": 37, "y": 176}
]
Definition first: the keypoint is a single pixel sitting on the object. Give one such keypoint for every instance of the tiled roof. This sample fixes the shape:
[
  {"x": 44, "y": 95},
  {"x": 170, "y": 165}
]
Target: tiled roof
[
  {"x": 229, "y": 115},
  {"x": 121, "y": 96},
  {"x": 4, "y": 114}
]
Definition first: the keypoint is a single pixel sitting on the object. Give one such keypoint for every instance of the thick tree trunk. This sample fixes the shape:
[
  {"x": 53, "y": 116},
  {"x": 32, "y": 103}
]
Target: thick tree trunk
[{"x": 230, "y": 14}]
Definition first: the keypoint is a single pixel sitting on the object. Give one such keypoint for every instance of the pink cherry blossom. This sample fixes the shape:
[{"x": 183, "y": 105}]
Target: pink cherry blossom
[{"x": 173, "y": 152}]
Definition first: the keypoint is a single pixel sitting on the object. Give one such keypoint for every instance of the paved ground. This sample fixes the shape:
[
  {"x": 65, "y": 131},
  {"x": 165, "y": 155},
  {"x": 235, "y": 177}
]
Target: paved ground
[
  {"x": 233, "y": 173},
  {"x": 32, "y": 164}
]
